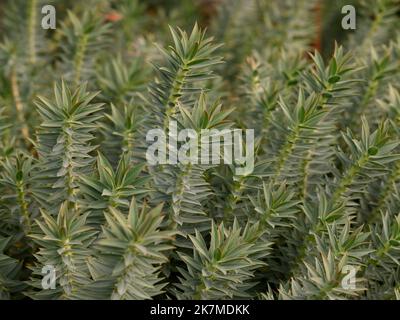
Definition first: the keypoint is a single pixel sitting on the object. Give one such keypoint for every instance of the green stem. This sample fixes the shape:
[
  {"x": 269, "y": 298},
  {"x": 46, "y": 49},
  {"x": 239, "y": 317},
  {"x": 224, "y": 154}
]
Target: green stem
[
  {"x": 374, "y": 27},
  {"x": 69, "y": 270},
  {"x": 233, "y": 198},
  {"x": 386, "y": 193},
  {"x": 19, "y": 108},
  {"x": 79, "y": 58},
  {"x": 305, "y": 166},
  {"x": 128, "y": 143},
  {"x": 285, "y": 152},
  {"x": 178, "y": 194},
  {"x": 369, "y": 93},
  {"x": 32, "y": 17},
  {"x": 124, "y": 277},
  {"x": 70, "y": 175},
  {"x": 348, "y": 178},
  {"x": 23, "y": 204},
  {"x": 175, "y": 94},
  {"x": 305, "y": 169}
]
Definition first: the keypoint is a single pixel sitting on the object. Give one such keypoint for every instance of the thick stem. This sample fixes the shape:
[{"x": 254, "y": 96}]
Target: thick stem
[
  {"x": 233, "y": 199},
  {"x": 175, "y": 94},
  {"x": 69, "y": 282},
  {"x": 386, "y": 193},
  {"x": 368, "y": 39},
  {"x": 128, "y": 144},
  {"x": 348, "y": 178},
  {"x": 178, "y": 194},
  {"x": 19, "y": 108},
  {"x": 285, "y": 152},
  {"x": 32, "y": 17},
  {"x": 305, "y": 169},
  {"x": 23, "y": 204},
  {"x": 306, "y": 163},
  {"x": 79, "y": 58}
]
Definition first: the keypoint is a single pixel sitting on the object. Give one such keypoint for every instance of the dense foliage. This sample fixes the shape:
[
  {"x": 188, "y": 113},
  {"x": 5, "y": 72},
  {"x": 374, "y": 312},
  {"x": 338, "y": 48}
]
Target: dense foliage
[{"x": 76, "y": 191}]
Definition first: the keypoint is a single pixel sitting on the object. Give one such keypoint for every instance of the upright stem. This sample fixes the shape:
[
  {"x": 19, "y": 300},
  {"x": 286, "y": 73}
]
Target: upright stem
[
  {"x": 386, "y": 193},
  {"x": 348, "y": 178},
  {"x": 175, "y": 94},
  {"x": 19, "y": 106},
  {"x": 285, "y": 152},
  {"x": 79, "y": 58},
  {"x": 23, "y": 207}
]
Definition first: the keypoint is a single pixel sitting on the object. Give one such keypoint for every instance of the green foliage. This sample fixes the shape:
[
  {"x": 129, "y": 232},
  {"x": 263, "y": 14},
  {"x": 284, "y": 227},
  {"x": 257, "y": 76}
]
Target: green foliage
[
  {"x": 64, "y": 243},
  {"x": 78, "y": 197},
  {"x": 130, "y": 253},
  {"x": 225, "y": 268},
  {"x": 111, "y": 189},
  {"x": 18, "y": 202},
  {"x": 187, "y": 63},
  {"x": 63, "y": 143},
  {"x": 79, "y": 41},
  {"x": 9, "y": 269}
]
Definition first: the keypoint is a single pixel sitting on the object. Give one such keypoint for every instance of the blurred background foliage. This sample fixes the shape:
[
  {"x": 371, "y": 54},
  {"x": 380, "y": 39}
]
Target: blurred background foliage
[{"x": 155, "y": 15}]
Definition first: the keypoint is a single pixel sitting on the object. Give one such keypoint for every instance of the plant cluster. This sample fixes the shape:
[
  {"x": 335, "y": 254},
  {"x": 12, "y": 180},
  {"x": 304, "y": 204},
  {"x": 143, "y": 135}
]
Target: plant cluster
[{"x": 76, "y": 191}]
